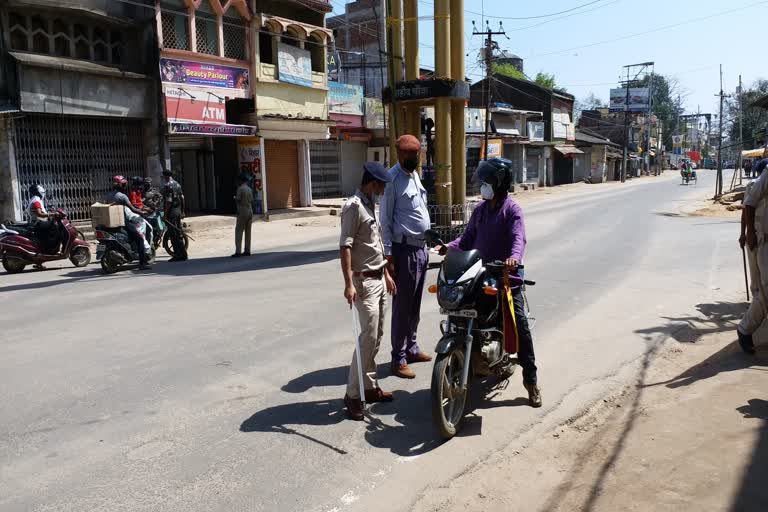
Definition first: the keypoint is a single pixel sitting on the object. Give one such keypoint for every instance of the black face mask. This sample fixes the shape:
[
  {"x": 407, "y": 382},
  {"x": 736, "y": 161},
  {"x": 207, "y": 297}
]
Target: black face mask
[{"x": 410, "y": 164}]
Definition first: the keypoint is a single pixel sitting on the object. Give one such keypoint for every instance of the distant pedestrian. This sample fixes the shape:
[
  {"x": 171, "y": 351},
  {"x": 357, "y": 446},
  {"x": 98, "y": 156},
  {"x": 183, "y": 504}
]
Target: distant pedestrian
[
  {"x": 760, "y": 167},
  {"x": 404, "y": 222},
  {"x": 366, "y": 282},
  {"x": 747, "y": 164},
  {"x": 173, "y": 197},
  {"x": 244, "y": 202}
]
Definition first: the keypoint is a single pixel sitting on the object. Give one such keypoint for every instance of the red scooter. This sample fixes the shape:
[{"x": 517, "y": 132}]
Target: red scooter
[{"x": 20, "y": 247}]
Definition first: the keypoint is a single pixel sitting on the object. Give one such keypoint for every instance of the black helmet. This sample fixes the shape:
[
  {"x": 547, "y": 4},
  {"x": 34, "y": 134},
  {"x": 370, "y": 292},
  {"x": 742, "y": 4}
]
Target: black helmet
[
  {"x": 137, "y": 181},
  {"x": 497, "y": 172}
]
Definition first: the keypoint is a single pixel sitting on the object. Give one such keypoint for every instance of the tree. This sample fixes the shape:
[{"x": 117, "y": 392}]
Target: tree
[
  {"x": 546, "y": 80},
  {"x": 591, "y": 102},
  {"x": 508, "y": 70},
  {"x": 755, "y": 119}
]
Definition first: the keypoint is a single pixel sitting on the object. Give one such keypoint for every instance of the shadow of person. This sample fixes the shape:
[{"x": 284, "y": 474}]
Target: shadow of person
[
  {"x": 326, "y": 377},
  {"x": 278, "y": 418},
  {"x": 755, "y": 408}
]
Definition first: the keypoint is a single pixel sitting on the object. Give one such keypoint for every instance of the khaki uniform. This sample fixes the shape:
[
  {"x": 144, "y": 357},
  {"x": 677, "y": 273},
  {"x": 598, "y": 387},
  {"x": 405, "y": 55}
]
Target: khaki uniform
[
  {"x": 756, "y": 196},
  {"x": 244, "y": 200},
  {"x": 360, "y": 231}
]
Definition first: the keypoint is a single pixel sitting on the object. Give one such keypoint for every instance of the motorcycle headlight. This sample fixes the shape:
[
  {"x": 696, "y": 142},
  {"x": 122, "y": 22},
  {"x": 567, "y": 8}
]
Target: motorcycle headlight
[{"x": 450, "y": 297}]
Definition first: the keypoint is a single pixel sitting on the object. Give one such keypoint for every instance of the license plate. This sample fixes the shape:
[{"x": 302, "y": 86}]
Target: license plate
[{"x": 463, "y": 313}]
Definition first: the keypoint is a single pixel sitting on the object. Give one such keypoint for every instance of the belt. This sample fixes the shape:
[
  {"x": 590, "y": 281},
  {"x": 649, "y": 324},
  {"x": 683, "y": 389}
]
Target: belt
[
  {"x": 413, "y": 242},
  {"x": 375, "y": 274}
]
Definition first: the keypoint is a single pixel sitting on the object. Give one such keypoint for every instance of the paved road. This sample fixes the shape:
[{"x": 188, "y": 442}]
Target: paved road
[{"x": 216, "y": 385}]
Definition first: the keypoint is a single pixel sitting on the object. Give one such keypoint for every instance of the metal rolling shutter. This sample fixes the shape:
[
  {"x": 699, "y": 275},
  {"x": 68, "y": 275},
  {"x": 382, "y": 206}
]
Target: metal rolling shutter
[
  {"x": 74, "y": 158},
  {"x": 282, "y": 161},
  {"x": 326, "y": 168}
]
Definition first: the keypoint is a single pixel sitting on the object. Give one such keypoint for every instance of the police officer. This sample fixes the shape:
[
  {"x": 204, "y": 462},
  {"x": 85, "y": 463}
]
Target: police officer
[
  {"x": 174, "y": 211},
  {"x": 366, "y": 279}
]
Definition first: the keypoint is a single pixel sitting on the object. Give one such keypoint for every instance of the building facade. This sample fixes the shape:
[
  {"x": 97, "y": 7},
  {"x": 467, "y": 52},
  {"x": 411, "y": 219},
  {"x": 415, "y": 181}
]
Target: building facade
[{"x": 78, "y": 100}]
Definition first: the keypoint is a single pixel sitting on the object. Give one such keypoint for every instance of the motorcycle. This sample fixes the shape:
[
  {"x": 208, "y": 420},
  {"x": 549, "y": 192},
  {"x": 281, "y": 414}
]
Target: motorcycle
[
  {"x": 116, "y": 248},
  {"x": 21, "y": 246},
  {"x": 470, "y": 294}
]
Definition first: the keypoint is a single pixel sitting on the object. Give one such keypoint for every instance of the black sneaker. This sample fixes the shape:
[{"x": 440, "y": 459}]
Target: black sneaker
[{"x": 746, "y": 343}]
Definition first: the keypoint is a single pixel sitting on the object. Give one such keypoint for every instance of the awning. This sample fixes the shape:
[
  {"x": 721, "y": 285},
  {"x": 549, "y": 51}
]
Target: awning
[
  {"x": 753, "y": 153},
  {"x": 569, "y": 150}
]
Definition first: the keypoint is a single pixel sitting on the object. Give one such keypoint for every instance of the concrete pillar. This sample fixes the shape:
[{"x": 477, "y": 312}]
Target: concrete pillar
[
  {"x": 411, "y": 37},
  {"x": 458, "y": 131},
  {"x": 395, "y": 9},
  {"x": 443, "y": 105},
  {"x": 10, "y": 203}
]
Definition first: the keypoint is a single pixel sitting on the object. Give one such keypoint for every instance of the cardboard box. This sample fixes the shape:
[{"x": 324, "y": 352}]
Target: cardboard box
[{"x": 108, "y": 216}]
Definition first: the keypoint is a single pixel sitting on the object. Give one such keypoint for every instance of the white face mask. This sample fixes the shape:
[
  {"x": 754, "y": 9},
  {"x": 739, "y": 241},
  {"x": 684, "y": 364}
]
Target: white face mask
[{"x": 486, "y": 191}]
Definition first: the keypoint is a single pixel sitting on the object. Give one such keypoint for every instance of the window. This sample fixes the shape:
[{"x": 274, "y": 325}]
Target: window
[
  {"x": 266, "y": 48},
  {"x": 207, "y": 30},
  {"x": 292, "y": 38},
  {"x": 234, "y": 36},
  {"x": 18, "y": 27},
  {"x": 316, "y": 48},
  {"x": 175, "y": 30}
]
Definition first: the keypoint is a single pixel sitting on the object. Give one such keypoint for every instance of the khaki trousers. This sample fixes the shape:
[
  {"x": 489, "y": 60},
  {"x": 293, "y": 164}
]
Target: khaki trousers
[
  {"x": 371, "y": 305},
  {"x": 758, "y": 273},
  {"x": 244, "y": 223}
]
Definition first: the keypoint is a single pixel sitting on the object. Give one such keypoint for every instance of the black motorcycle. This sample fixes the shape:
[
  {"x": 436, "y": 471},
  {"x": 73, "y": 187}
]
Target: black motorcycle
[
  {"x": 116, "y": 248},
  {"x": 471, "y": 294}
]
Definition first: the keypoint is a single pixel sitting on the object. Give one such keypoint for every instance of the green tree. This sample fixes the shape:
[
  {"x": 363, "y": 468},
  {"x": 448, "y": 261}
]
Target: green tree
[
  {"x": 667, "y": 102},
  {"x": 591, "y": 102},
  {"x": 755, "y": 119},
  {"x": 545, "y": 80},
  {"x": 508, "y": 70}
]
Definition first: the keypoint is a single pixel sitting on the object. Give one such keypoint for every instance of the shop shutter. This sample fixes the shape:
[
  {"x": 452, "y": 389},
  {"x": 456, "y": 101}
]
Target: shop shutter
[
  {"x": 74, "y": 158},
  {"x": 282, "y": 173},
  {"x": 186, "y": 142},
  {"x": 326, "y": 168}
]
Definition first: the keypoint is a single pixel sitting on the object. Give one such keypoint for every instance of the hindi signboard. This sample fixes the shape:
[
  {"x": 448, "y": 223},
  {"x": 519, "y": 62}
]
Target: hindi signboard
[
  {"x": 250, "y": 158},
  {"x": 345, "y": 99}
]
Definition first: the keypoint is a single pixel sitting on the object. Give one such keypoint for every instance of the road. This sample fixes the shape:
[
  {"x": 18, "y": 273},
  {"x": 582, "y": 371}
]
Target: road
[{"x": 216, "y": 385}]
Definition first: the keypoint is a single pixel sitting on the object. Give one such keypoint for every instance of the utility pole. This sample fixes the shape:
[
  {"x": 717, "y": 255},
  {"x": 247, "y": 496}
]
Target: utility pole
[
  {"x": 627, "y": 133},
  {"x": 741, "y": 129},
  {"x": 490, "y": 45},
  {"x": 719, "y": 181}
]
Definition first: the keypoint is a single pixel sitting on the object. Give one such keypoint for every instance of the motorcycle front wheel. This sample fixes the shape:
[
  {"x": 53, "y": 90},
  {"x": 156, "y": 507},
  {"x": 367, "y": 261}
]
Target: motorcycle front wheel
[
  {"x": 13, "y": 265},
  {"x": 168, "y": 246},
  {"x": 449, "y": 400},
  {"x": 80, "y": 257}
]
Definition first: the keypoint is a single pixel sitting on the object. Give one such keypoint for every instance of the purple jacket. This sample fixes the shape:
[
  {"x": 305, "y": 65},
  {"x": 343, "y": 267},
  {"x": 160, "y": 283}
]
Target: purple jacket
[{"x": 498, "y": 234}]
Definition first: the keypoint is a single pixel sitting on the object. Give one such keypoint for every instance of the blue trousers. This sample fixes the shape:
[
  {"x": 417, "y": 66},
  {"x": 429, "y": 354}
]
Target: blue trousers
[{"x": 410, "y": 274}]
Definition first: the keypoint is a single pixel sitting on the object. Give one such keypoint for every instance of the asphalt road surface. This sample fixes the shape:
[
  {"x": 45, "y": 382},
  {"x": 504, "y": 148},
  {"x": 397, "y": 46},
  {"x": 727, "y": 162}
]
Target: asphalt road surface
[{"x": 216, "y": 385}]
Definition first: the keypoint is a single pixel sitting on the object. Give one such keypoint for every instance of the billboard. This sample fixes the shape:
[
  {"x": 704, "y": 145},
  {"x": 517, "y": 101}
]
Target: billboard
[
  {"x": 198, "y": 74},
  {"x": 374, "y": 114},
  {"x": 294, "y": 65},
  {"x": 345, "y": 99},
  {"x": 194, "y": 104},
  {"x": 334, "y": 65},
  {"x": 639, "y": 99}
]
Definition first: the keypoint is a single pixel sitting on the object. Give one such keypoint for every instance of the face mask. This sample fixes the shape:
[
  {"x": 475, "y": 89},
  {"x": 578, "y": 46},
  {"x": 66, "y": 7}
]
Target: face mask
[
  {"x": 410, "y": 164},
  {"x": 486, "y": 191}
]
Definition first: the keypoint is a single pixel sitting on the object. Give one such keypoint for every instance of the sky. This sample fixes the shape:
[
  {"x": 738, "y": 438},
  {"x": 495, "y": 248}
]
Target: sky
[{"x": 586, "y": 48}]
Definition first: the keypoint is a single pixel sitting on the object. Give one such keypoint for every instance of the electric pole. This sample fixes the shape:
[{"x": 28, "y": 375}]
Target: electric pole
[
  {"x": 719, "y": 181},
  {"x": 627, "y": 131},
  {"x": 490, "y": 45},
  {"x": 741, "y": 128}
]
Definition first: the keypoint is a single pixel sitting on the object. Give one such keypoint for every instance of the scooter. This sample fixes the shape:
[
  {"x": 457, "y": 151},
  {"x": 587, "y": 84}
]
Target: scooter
[
  {"x": 20, "y": 246},
  {"x": 116, "y": 249}
]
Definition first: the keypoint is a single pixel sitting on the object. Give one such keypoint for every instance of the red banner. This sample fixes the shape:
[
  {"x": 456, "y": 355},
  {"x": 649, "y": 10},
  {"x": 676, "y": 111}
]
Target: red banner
[{"x": 195, "y": 110}]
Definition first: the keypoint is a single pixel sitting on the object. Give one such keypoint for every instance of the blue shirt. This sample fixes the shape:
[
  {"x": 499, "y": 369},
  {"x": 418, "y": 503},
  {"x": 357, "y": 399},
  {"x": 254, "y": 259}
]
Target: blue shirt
[{"x": 403, "y": 209}]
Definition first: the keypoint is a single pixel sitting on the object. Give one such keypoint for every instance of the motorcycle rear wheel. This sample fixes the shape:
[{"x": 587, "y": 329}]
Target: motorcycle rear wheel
[
  {"x": 449, "y": 401},
  {"x": 80, "y": 257},
  {"x": 13, "y": 265},
  {"x": 110, "y": 262}
]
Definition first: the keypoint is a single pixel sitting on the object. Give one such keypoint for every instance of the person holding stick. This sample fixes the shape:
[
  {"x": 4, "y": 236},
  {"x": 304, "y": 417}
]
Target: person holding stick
[
  {"x": 366, "y": 282},
  {"x": 754, "y": 230}
]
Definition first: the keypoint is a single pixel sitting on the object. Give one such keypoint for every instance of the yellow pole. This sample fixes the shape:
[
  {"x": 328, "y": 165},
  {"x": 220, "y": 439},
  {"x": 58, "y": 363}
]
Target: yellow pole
[
  {"x": 397, "y": 57},
  {"x": 458, "y": 130},
  {"x": 411, "y": 30},
  {"x": 395, "y": 62},
  {"x": 443, "y": 105}
]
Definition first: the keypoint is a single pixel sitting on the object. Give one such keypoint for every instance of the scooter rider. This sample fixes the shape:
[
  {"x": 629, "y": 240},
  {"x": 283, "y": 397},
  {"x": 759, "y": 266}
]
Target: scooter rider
[
  {"x": 39, "y": 218},
  {"x": 118, "y": 196},
  {"x": 497, "y": 230}
]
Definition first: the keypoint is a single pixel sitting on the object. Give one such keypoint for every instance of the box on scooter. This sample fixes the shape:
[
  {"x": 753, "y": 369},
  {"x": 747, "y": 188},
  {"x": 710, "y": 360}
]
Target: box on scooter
[{"x": 110, "y": 216}]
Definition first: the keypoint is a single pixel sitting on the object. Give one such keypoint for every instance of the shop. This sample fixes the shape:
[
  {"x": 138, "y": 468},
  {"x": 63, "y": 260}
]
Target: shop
[{"x": 203, "y": 148}]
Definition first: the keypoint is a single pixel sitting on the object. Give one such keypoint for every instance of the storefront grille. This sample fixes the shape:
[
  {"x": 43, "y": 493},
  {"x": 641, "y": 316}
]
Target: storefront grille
[
  {"x": 325, "y": 162},
  {"x": 75, "y": 158}
]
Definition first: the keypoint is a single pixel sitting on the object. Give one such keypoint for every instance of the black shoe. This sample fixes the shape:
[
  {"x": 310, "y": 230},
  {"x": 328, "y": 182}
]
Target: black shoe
[
  {"x": 236, "y": 255},
  {"x": 534, "y": 395},
  {"x": 145, "y": 266},
  {"x": 246, "y": 254},
  {"x": 746, "y": 343}
]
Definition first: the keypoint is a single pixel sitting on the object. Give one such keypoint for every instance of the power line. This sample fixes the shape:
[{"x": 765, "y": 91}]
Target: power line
[{"x": 526, "y": 17}]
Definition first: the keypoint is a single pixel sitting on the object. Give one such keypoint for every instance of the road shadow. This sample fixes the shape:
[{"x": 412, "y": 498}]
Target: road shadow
[
  {"x": 326, "y": 377},
  {"x": 753, "y": 492},
  {"x": 711, "y": 318},
  {"x": 88, "y": 274}
]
